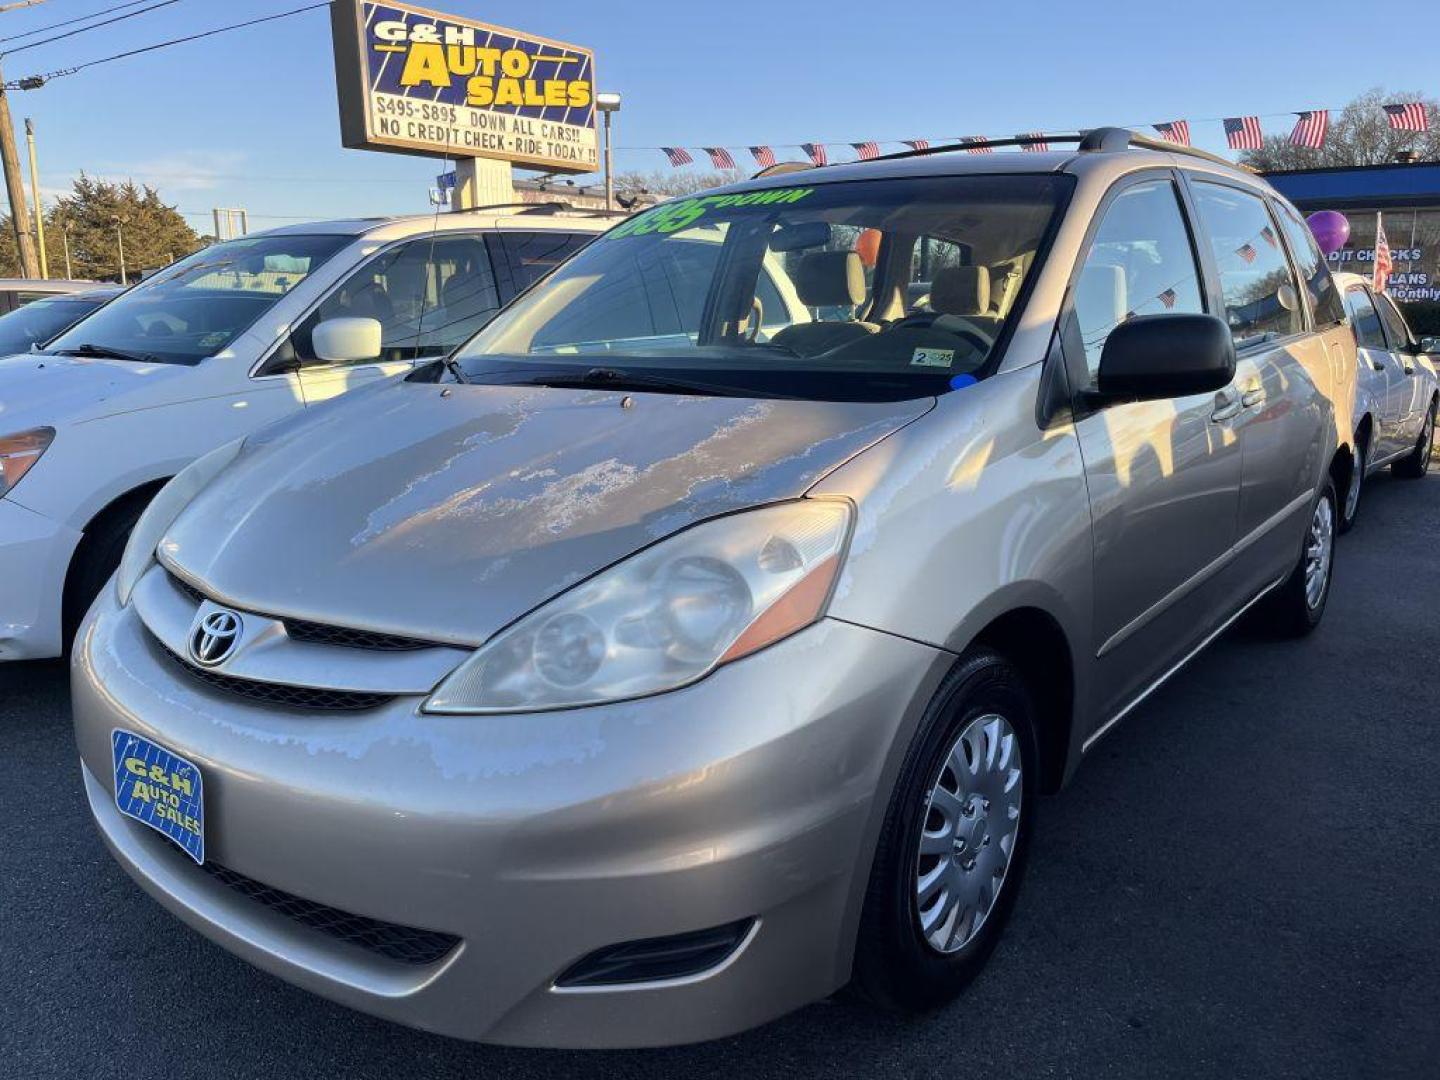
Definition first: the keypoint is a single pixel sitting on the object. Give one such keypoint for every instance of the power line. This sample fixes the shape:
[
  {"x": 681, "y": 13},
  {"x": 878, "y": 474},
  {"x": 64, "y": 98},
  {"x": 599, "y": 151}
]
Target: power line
[
  {"x": 73, "y": 20},
  {"x": 93, "y": 26},
  {"x": 34, "y": 82}
]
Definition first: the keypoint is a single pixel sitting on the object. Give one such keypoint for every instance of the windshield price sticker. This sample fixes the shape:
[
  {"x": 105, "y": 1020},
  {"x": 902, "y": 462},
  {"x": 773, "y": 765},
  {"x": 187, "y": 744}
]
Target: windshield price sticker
[{"x": 674, "y": 216}]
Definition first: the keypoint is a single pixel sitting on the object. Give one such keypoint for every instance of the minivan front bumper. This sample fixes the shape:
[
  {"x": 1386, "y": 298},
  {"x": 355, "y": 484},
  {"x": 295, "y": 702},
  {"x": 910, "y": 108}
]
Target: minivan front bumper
[{"x": 533, "y": 839}]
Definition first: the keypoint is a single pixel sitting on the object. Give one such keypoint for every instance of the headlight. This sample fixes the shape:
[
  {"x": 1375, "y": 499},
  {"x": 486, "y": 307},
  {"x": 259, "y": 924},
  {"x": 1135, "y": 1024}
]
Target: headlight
[
  {"x": 664, "y": 617},
  {"x": 167, "y": 505},
  {"x": 19, "y": 452}
]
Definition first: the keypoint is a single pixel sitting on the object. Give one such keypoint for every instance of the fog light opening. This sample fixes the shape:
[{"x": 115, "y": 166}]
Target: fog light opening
[{"x": 659, "y": 959}]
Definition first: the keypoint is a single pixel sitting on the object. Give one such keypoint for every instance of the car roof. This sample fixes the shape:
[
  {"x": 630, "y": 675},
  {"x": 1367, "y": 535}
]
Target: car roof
[
  {"x": 497, "y": 220},
  {"x": 1108, "y": 151},
  {"x": 46, "y": 285}
]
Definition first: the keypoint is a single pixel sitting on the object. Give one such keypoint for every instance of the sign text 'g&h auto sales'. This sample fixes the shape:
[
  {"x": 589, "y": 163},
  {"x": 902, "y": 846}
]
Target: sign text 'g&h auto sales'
[{"x": 416, "y": 81}]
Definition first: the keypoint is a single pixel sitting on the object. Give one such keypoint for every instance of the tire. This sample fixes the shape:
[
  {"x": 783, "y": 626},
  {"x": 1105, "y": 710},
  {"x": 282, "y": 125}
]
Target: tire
[
  {"x": 1417, "y": 463},
  {"x": 1350, "y": 508},
  {"x": 97, "y": 557},
  {"x": 1294, "y": 610},
  {"x": 896, "y": 966}
]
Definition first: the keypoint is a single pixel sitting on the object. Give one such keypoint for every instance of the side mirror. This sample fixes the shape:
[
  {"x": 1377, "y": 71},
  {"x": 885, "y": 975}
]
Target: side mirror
[
  {"x": 1430, "y": 344},
  {"x": 346, "y": 341},
  {"x": 1165, "y": 356}
]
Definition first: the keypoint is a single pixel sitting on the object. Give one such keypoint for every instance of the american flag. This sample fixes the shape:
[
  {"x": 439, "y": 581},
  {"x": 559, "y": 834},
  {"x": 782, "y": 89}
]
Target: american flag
[
  {"x": 974, "y": 149},
  {"x": 1383, "y": 263},
  {"x": 1168, "y": 298},
  {"x": 1243, "y": 132},
  {"x": 1038, "y": 145},
  {"x": 815, "y": 151},
  {"x": 868, "y": 151},
  {"x": 1246, "y": 252},
  {"x": 1176, "y": 131},
  {"x": 677, "y": 155},
  {"x": 1310, "y": 128},
  {"x": 1408, "y": 117},
  {"x": 720, "y": 157},
  {"x": 1268, "y": 235},
  {"x": 918, "y": 144},
  {"x": 763, "y": 155}
]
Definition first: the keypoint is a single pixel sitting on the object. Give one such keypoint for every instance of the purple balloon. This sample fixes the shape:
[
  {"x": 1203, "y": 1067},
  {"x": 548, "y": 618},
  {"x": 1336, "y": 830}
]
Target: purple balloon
[{"x": 1331, "y": 229}]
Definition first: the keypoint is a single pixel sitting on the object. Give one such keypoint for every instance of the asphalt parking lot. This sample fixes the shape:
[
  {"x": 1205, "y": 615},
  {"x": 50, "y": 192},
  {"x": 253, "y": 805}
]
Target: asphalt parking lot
[{"x": 1244, "y": 880}]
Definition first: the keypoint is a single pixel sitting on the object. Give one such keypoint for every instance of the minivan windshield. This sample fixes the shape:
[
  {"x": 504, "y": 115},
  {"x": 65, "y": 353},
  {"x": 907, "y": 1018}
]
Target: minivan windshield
[
  {"x": 199, "y": 305},
  {"x": 863, "y": 290}
]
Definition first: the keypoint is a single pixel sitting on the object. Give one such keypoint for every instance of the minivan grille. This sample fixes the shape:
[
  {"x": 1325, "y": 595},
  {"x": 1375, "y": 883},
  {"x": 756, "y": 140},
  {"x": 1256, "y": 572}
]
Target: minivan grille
[
  {"x": 404, "y": 944},
  {"x": 345, "y": 637},
  {"x": 299, "y": 697}
]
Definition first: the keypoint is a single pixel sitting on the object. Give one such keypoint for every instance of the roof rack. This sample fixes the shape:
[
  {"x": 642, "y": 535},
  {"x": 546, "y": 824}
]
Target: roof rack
[
  {"x": 784, "y": 167},
  {"x": 1091, "y": 140},
  {"x": 555, "y": 206}
]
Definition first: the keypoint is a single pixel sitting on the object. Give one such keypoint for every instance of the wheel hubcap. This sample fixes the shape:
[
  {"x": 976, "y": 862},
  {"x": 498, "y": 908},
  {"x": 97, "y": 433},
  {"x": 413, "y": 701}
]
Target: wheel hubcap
[
  {"x": 967, "y": 838},
  {"x": 1352, "y": 497},
  {"x": 1319, "y": 546}
]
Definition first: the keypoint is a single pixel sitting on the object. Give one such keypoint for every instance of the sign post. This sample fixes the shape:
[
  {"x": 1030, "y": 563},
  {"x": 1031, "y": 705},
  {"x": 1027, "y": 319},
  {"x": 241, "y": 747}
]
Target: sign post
[{"x": 415, "y": 81}]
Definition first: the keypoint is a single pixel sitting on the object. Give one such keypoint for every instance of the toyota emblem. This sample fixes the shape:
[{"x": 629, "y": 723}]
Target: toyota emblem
[{"x": 214, "y": 636}]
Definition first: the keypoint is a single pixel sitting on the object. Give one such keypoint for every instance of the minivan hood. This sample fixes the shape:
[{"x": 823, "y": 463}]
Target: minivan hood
[
  {"x": 446, "y": 513},
  {"x": 41, "y": 390}
]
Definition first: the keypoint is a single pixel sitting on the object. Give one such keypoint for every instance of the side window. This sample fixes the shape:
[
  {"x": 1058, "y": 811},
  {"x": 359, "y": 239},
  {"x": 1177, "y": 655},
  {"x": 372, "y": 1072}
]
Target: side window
[
  {"x": 429, "y": 295},
  {"x": 1396, "y": 328},
  {"x": 1261, "y": 299},
  {"x": 1141, "y": 262},
  {"x": 1324, "y": 295},
  {"x": 526, "y": 257},
  {"x": 1367, "y": 321}
]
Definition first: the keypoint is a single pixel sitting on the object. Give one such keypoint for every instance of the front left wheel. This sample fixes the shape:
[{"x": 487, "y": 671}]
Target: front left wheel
[{"x": 953, "y": 845}]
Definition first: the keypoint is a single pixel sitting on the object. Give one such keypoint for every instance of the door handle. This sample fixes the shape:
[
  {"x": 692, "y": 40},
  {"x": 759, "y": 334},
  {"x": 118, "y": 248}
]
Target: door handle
[
  {"x": 1252, "y": 397},
  {"x": 1227, "y": 406},
  {"x": 1409, "y": 370},
  {"x": 1378, "y": 365}
]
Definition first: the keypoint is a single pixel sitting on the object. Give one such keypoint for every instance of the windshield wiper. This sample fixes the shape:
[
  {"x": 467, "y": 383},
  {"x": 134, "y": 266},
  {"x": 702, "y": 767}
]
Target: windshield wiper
[
  {"x": 609, "y": 378},
  {"x": 90, "y": 349}
]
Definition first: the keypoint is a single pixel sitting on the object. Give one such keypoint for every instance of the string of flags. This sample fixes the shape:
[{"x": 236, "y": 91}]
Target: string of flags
[{"x": 1241, "y": 133}]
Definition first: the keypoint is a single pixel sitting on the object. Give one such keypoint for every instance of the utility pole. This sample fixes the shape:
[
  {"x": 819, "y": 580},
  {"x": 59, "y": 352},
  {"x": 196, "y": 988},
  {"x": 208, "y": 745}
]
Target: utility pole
[
  {"x": 35, "y": 196},
  {"x": 65, "y": 237},
  {"x": 15, "y": 186}
]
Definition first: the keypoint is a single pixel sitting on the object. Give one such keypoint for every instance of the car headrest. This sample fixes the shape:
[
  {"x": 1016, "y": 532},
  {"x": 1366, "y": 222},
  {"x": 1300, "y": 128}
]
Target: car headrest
[
  {"x": 961, "y": 290},
  {"x": 830, "y": 279},
  {"x": 1100, "y": 296}
]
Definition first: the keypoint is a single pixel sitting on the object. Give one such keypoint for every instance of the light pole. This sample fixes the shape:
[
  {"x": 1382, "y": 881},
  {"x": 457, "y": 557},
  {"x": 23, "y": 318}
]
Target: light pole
[
  {"x": 65, "y": 237},
  {"x": 120, "y": 243},
  {"x": 609, "y": 104}
]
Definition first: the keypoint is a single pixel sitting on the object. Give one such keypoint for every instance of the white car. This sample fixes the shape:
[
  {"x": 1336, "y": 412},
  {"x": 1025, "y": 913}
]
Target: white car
[
  {"x": 1395, "y": 392},
  {"x": 225, "y": 341}
]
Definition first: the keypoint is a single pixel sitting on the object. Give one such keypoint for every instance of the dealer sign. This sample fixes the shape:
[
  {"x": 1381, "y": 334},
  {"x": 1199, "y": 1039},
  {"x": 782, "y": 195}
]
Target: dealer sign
[{"x": 416, "y": 81}]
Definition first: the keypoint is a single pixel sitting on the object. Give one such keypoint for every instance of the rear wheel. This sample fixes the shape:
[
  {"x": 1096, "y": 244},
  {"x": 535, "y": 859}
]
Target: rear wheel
[
  {"x": 952, "y": 849},
  {"x": 1298, "y": 605},
  {"x": 1417, "y": 463},
  {"x": 1357, "y": 479}
]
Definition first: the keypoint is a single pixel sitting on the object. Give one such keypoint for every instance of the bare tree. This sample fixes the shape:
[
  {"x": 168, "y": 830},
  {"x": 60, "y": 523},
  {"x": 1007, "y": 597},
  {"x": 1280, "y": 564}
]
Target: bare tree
[
  {"x": 664, "y": 185},
  {"x": 1360, "y": 134}
]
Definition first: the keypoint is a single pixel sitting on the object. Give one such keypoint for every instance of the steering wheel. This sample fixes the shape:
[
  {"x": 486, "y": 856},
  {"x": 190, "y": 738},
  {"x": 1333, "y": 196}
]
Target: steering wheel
[{"x": 950, "y": 324}]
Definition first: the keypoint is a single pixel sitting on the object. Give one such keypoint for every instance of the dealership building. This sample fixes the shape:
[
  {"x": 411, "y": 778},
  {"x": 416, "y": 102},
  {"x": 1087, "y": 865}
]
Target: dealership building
[{"x": 1408, "y": 197}]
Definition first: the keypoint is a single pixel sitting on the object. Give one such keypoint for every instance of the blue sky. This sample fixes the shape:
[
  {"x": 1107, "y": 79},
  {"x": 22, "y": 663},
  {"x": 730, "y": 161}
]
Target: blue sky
[{"x": 249, "y": 118}]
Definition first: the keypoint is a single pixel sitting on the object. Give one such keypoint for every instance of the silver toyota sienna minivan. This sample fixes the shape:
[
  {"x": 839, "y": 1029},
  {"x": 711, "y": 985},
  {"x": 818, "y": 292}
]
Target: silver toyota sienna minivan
[{"x": 700, "y": 637}]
